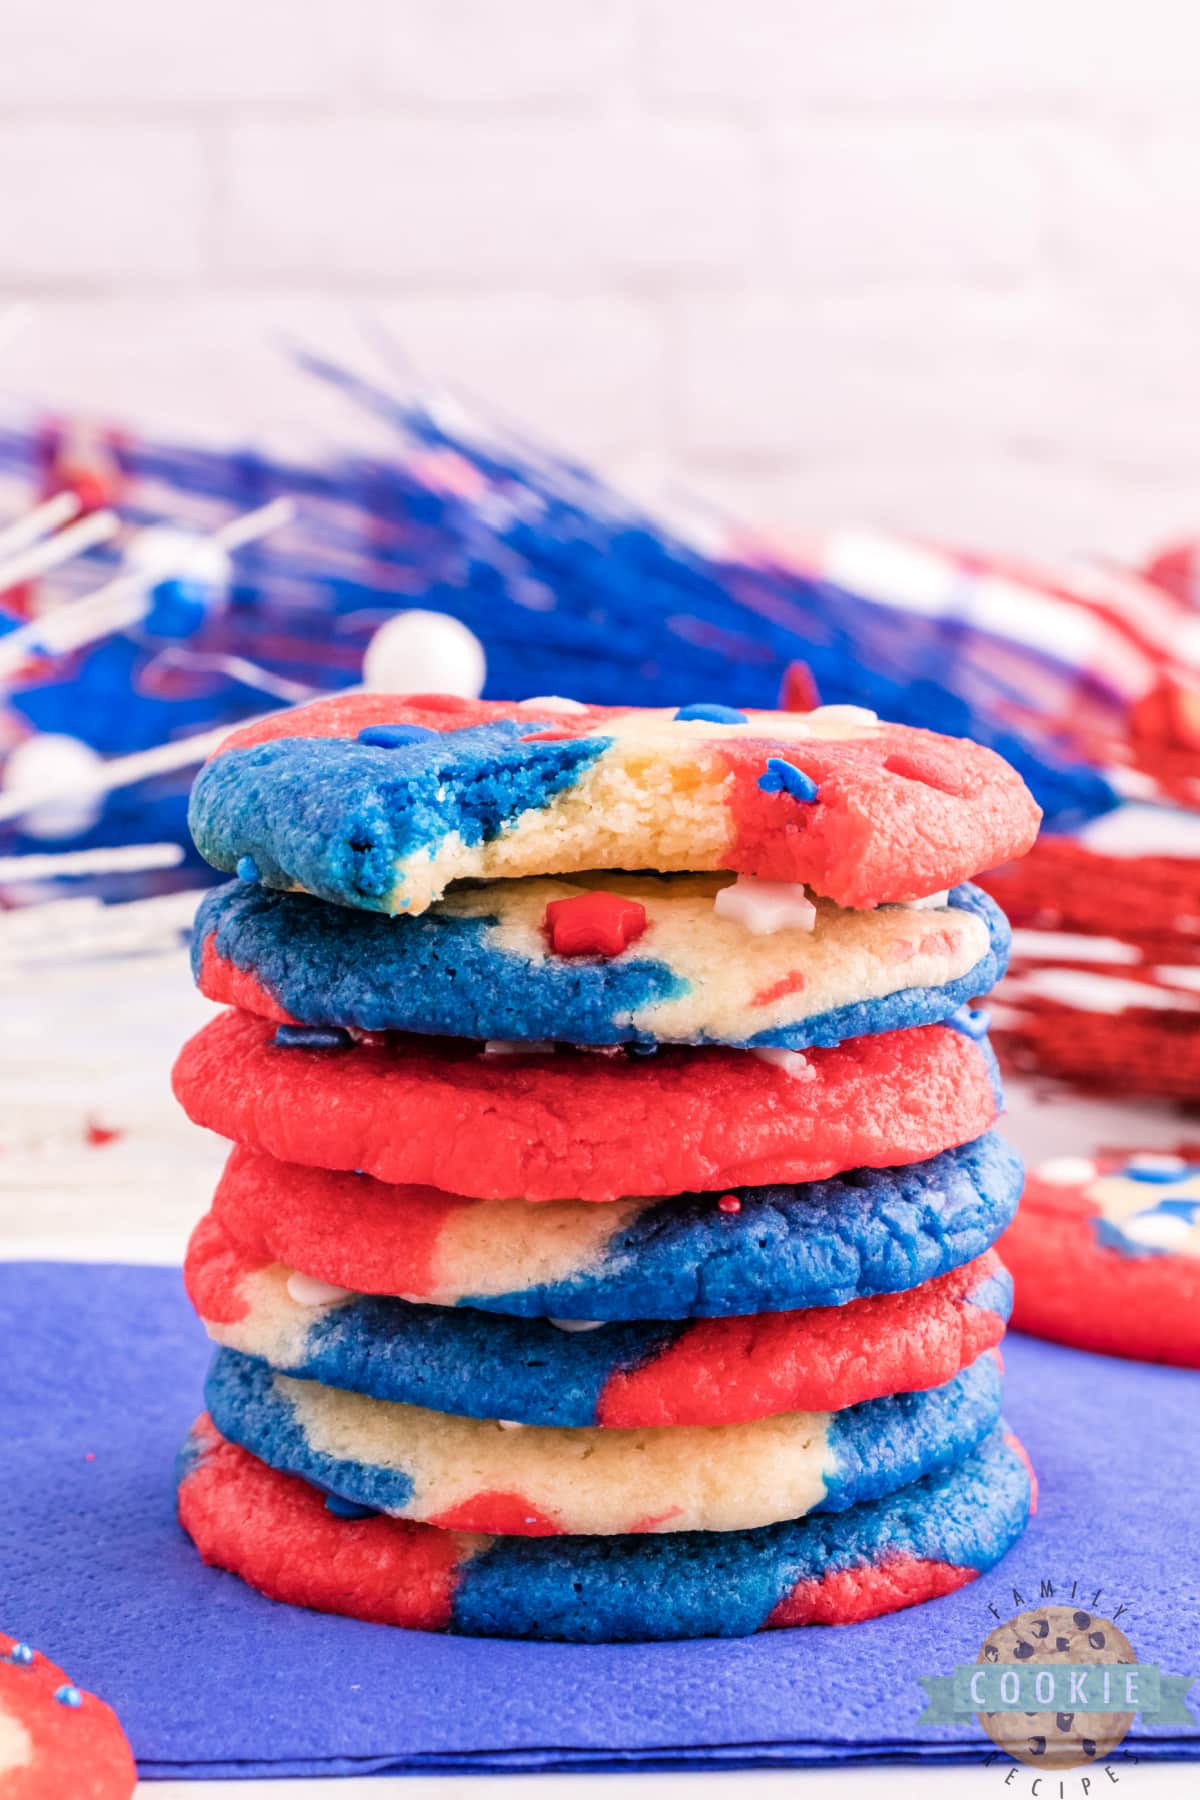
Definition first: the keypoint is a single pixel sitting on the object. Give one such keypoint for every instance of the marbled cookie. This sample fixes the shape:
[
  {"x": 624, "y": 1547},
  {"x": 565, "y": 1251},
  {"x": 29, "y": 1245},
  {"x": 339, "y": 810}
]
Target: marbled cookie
[
  {"x": 688, "y": 959},
  {"x": 57, "y": 1741},
  {"x": 591, "y": 1127},
  {"x": 277, "y": 1533},
  {"x": 540, "y": 1480},
  {"x": 748, "y": 1250},
  {"x": 1105, "y": 1252},
  {"x": 702, "y": 1372},
  {"x": 378, "y": 801}
]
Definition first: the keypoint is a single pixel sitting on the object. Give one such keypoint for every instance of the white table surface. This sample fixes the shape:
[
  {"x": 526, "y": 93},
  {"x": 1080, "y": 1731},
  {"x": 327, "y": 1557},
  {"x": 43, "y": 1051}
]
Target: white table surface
[{"x": 91, "y": 1044}]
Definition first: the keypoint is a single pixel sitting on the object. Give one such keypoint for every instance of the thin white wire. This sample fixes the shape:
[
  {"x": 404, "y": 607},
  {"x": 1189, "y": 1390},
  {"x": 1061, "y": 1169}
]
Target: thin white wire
[
  {"x": 39, "y": 521},
  {"x": 39, "y": 558},
  {"x": 114, "y": 859},
  {"x": 119, "y": 603},
  {"x": 123, "y": 771}
]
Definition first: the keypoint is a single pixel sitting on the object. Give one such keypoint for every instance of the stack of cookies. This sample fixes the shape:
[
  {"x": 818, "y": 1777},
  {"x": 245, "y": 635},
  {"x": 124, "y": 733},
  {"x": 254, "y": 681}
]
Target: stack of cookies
[{"x": 602, "y": 1255}]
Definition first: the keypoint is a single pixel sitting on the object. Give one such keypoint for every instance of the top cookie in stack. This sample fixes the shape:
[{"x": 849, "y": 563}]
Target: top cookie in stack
[
  {"x": 370, "y": 801},
  {"x": 792, "y": 1111}
]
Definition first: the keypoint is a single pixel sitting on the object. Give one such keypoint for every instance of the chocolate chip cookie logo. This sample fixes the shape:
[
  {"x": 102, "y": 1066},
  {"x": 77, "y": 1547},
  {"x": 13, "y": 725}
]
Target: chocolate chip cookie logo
[{"x": 1057, "y": 1687}]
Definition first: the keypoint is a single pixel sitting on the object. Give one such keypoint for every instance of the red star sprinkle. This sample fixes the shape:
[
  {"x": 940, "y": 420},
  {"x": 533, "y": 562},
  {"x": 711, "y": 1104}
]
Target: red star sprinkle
[{"x": 596, "y": 924}]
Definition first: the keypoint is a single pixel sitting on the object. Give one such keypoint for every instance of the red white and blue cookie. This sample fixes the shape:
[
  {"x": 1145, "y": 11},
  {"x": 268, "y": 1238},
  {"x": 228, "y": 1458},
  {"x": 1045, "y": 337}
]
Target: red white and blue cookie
[
  {"x": 57, "y": 1741},
  {"x": 381, "y": 802},
  {"x": 824, "y": 1243},
  {"x": 569, "y": 1125},
  {"x": 1105, "y": 1253},
  {"x": 744, "y": 1250},
  {"x": 277, "y": 1532},
  {"x": 685, "y": 959},
  {"x": 467, "y": 1474},
  {"x": 545, "y": 1372}
]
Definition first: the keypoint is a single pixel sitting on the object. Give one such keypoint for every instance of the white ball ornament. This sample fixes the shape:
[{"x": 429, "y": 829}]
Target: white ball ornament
[
  {"x": 187, "y": 578},
  {"x": 164, "y": 553},
  {"x": 60, "y": 777},
  {"x": 421, "y": 652}
]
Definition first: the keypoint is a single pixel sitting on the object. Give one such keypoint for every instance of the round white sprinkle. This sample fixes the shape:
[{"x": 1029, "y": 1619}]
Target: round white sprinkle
[
  {"x": 1158, "y": 1231},
  {"x": 846, "y": 715},
  {"x": 1067, "y": 1171},
  {"x": 556, "y": 703},
  {"x": 510, "y": 1424},
  {"x": 932, "y": 900},
  {"x": 790, "y": 1061},
  {"x": 1149, "y": 1162},
  {"x": 306, "y": 1290},
  {"x": 764, "y": 907},
  {"x": 577, "y": 1324}
]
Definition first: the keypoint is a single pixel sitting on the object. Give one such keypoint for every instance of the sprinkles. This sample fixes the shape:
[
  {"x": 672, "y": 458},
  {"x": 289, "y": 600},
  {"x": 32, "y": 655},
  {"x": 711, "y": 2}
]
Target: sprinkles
[{"x": 785, "y": 778}]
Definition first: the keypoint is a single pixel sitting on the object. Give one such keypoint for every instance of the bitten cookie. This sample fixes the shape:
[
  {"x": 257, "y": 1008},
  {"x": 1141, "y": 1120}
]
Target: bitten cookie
[
  {"x": 689, "y": 959},
  {"x": 540, "y": 1480},
  {"x": 277, "y": 1533},
  {"x": 57, "y": 1741},
  {"x": 578, "y": 1126},
  {"x": 536, "y": 1372},
  {"x": 823, "y": 1243},
  {"x": 1105, "y": 1253},
  {"x": 377, "y": 801}
]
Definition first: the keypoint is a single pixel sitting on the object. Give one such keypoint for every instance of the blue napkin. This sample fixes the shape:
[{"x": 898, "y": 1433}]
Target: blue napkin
[{"x": 100, "y": 1375}]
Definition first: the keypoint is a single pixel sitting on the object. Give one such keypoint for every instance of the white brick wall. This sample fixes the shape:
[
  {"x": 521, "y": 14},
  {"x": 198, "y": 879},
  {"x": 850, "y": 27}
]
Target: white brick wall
[{"x": 930, "y": 263}]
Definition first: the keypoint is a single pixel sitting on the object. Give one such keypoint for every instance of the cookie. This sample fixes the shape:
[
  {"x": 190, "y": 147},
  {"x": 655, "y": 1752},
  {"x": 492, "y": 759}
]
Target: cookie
[
  {"x": 57, "y": 1741},
  {"x": 380, "y": 802},
  {"x": 709, "y": 961},
  {"x": 1124, "y": 1031},
  {"x": 570, "y": 1125},
  {"x": 277, "y": 1533},
  {"x": 1102, "y": 991},
  {"x": 543, "y": 1480},
  {"x": 824, "y": 1243},
  {"x": 709, "y": 1372},
  {"x": 1105, "y": 1254}
]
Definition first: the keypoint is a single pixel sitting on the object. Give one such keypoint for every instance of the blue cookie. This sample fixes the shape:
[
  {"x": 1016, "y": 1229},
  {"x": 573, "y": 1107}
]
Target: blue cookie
[
  {"x": 691, "y": 959},
  {"x": 486, "y": 1475},
  {"x": 278, "y": 1534},
  {"x": 753, "y": 1249}
]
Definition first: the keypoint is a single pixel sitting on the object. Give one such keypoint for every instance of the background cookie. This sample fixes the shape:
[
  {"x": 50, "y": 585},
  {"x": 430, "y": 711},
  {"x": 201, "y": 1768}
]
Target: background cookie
[
  {"x": 277, "y": 1533},
  {"x": 574, "y": 1126},
  {"x": 484, "y": 963},
  {"x": 57, "y": 1741},
  {"x": 476, "y": 1475},
  {"x": 1105, "y": 1253},
  {"x": 376, "y": 801},
  {"x": 712, "y": 1372}
]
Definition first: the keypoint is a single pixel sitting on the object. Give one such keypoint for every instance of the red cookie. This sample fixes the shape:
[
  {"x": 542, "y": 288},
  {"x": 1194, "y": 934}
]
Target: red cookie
[
  {"x": 57, "y": 1742},
  {"x": 569, "y": 1125}
]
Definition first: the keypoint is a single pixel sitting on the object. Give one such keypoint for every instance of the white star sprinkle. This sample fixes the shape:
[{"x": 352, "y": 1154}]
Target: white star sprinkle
[{"x": 764, "y": 907}]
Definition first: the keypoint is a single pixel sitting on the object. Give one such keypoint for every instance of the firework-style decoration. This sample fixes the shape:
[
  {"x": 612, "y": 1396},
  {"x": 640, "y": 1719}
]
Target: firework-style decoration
[{"x": 219, "y": 584}]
